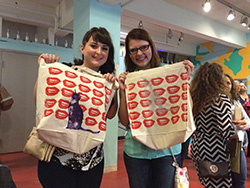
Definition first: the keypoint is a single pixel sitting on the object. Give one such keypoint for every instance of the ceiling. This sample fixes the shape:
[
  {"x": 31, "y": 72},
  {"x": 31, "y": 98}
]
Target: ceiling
[
  {"x": 42, "y": 12},
  {"x": 218, "y": 11}
]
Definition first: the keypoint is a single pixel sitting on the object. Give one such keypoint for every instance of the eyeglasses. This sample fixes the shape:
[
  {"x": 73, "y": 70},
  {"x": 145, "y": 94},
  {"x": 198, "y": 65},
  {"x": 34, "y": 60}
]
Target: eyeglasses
[{"x": 143, "y": 48}]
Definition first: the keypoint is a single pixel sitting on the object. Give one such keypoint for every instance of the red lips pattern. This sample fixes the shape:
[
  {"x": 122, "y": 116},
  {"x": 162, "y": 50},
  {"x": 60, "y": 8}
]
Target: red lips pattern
[
  {"x": 151, "y": 103},
  {"x": 93, "y": 93}
]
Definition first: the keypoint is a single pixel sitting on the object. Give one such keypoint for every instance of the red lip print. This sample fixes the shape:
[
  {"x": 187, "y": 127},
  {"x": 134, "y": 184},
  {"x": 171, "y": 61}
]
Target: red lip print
[
  {"x": 51, "y": 91},
  {"x": 156, "y": 81},
  {"x": 94, "y": 112},
  {"x": 173, "y": 89},
  {"x": 68, "y": 83},
  {"x": 61, "y": 114},
  {"x": 144, "y": 93},
  {"x": 104, "y": 116},
  {"x": 70, "y": 74},
  {"x": 55, "y": 71},
  {"x": 52, "y": 81},
  {"x": 106, "y": 99},
  {"x": 160, "y": 101},
  {"x": 83, "y": 107},
  {"x": 158, "y": 91},
  {"x": 147, "y": 113},
  {"x": 184, "y": 86},
  {"x": 96, "y": 101},
  {"x": 98, "y": 84},
  {"x": 131, "y": 86},
  {"x": 145, "y": 102},
  {"x": 98, "y": 93},
  {"x": 64, "y": 104},
  {"x": 67, "y": 92},
  {"x": 84, "y": 88},
  {"x": 49, "y": 103},
  {"x": 102, "y": 126},
  {"x": 148, "y": 122},
  {"x": 134, "y": 115},
  {"x": 132, "y": 105},
  {"x": 174, "y": 109},
  {"x": 175, "y": 119},
  {"x": 90, "y": 121},
  {"x": 135, "y": 124},
  {"x": 174, "y": 99},
  {"x": 184, "y": 96},
  {"x": 142, "y": 83},
  {"x": 184, "y": 107},
  {"x": 131, "y": 96},
  {"x": 171, "y": 78},
  {"x": 48, "y": 112},
  {"x": 107, "y": 91},
  {"x": 84, "y": 97},
  {"x": 184, "y": 117},
  {"x": 85, "y": 79},
  {"x": 184, "y": 75},
  {"x": 162, "y": 121},
  {"x": 161, "y": 111}
]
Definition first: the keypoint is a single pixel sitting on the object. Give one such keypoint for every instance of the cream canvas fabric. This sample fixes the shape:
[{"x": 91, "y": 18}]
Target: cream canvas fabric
[
  {"x": 72, "y": 107},
  {"x": 159, "y": 106}
]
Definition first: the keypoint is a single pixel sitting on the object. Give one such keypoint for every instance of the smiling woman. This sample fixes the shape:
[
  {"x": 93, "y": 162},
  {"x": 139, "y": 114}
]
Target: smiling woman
[
  {"x": 97, "y": 55},
  {"x": 146, "y": 167}
]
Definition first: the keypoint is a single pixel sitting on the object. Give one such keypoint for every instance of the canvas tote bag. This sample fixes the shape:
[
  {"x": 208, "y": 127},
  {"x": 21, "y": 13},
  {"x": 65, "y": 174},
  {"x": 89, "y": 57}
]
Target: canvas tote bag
[
  {"x": 159, "y": 107},
  {"x": 72, "y": 107}
]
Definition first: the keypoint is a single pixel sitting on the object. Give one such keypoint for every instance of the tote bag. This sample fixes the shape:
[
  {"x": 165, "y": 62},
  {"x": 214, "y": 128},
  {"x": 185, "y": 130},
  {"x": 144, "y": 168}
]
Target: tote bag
[
  {"x": 72, "y": 107},
  {"x": 159, "y": 106}
]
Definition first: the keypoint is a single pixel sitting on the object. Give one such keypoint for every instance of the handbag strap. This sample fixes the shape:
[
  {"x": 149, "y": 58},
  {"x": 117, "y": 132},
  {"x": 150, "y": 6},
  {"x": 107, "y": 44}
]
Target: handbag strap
[{"x": 175, "y": 164}]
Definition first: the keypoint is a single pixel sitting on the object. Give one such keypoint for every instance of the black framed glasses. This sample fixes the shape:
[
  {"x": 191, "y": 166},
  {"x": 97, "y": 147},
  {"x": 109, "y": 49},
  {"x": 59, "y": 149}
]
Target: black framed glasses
[{"x": 143, "y": 48}]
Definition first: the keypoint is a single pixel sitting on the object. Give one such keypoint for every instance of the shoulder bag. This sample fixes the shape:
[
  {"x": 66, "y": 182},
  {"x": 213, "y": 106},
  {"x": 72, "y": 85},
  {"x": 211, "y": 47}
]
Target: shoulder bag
[{"x": 38, "y": 148}]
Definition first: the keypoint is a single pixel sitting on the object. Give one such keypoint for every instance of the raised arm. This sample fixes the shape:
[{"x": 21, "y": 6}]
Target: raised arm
[{"x": 123, "y": 111}]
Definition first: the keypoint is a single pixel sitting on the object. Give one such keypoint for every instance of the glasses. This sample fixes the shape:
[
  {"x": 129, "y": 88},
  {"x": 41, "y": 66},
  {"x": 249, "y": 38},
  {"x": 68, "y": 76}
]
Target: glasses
[{"x": 143, "y": 48}]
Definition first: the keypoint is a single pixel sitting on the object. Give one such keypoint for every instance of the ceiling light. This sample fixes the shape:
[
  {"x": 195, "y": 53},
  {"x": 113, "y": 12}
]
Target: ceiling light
[
  {"x": 231, "y": 15},
  {"x": 170, "y": 34},
  {"x": 181, "y": 37},
  {"x": 206, "y": 5},
  {"x": 140, "y": 25},
  {"x": 248, "y": 26},
  {"x": 243, "y": 21}
]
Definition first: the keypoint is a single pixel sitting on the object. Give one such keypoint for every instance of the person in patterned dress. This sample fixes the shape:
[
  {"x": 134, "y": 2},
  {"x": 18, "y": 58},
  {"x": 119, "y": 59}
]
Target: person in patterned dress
[
  {"x": 71, "y": 170},
  {"x": 241, "y": 125},
  {"x": 213, "y": 120}
]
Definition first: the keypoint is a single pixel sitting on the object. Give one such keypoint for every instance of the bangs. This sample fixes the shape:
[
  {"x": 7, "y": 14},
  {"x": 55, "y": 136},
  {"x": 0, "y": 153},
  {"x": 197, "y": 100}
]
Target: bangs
[{"x": 102, "y": 38}]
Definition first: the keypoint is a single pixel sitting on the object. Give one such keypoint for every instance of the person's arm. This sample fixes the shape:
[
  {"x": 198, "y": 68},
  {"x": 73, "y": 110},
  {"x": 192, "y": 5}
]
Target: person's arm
[
  {"x": 113, "y": 107},
  {"x": 244, "y": 122},
  {"x": 48, "y": 58},
  {"x": 123, "y": 111},
  {"x": 224, "y": 124}
]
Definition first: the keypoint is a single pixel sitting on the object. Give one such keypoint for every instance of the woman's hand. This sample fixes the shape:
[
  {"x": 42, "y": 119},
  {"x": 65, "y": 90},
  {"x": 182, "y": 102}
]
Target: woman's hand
[
  {"x": 109, "y": 77},
  {"x": 122, "y": 79},
  {"x": 48, "y": 58},
  {"x": 189, "y": 67},
  {"x": 240, "y": 124}
]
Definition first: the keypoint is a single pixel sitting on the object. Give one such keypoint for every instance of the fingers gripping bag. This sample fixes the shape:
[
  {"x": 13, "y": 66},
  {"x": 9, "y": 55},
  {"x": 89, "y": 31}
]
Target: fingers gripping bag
[
  {"x": 72, "y": 107},
  {"x": 159, "y": 107}
]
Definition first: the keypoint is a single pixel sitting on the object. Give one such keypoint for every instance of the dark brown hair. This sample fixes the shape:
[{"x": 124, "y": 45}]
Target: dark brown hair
[
  {"x": 100, "y": 35},
  {"x": 140, "y": 34},
  {"x": 233, "y": 92}
]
